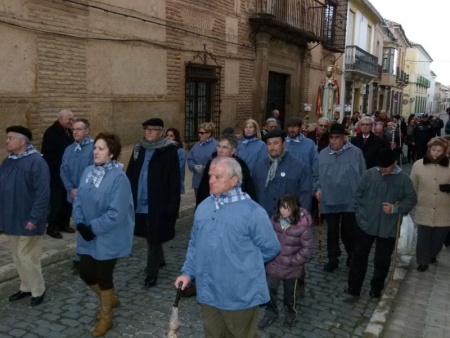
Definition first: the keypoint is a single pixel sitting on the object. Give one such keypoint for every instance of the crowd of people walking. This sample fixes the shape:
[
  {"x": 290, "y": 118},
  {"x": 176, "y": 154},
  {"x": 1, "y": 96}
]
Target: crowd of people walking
[{"x": 258, "y": 194}]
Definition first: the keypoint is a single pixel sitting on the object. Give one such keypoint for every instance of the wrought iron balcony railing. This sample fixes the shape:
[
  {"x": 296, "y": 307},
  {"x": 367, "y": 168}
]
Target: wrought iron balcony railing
[
  {"x": 296, "y": 21},
  {"x": 356, "y": 59}
]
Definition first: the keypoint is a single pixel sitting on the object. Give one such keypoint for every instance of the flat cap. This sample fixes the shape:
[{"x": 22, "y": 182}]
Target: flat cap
[
  {"x": 337, "y": 129},
  {"x": 156, "y": 122},
  {"x": 294, "y": 122},
  {"x": 20, "y": 130},
  {"x": 274, "y": 133}
]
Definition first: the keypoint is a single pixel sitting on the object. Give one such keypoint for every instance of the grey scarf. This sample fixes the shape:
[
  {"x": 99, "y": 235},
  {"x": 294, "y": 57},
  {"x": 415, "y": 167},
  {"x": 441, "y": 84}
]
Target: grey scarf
[
  {"x": 147, "y": 145},
  {"x": 273, "y": 167}
]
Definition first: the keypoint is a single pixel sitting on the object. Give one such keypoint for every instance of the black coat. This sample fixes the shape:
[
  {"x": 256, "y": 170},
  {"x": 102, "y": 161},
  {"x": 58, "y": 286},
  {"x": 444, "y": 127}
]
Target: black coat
[
  {"x": 323, "y": 140},
  {"x": 247, "y": 182},
  {"x": 163, "y": 193},
  {"x": 370, "y": 149},
  {"x": 55, "y": 141}
]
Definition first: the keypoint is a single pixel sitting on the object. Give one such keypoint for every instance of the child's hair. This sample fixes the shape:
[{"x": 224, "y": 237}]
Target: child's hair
[{"x": 291, "y": 202}]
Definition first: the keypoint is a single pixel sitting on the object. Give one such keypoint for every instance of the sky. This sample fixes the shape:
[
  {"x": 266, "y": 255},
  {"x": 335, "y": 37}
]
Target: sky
[{"x": 426, "y": 22}]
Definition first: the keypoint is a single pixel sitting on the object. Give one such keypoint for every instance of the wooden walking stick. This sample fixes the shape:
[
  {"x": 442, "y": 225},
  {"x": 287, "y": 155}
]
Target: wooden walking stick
[
  {"x": 399, "y": 223},
  {"x": 320, "y": 232}
]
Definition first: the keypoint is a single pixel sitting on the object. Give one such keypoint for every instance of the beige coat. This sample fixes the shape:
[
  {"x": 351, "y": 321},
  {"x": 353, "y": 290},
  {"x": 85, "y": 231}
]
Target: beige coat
[{"x": 433, "y": 206}]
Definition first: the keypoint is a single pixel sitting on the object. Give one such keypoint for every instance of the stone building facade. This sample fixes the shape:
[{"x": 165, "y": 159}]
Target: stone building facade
[{"x": 119, "y": 62}]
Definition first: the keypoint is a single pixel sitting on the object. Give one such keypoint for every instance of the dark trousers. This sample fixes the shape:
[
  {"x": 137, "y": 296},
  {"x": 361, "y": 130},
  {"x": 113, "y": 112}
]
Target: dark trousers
[
  {"x": 382, "y": 261},
  {"x": 289, "y": 296},
  {"x": 429, "y": 242},
  {"x": 93, "y": 271},
  {"x": 60, "y": 210},
  {"x": 345, "y": 224},
  {"x": 155, "y": 256},
  {"x": 411, "y": 153}
]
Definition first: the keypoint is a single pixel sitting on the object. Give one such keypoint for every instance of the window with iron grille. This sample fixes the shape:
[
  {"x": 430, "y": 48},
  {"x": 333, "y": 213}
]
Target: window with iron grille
[
  {"x": 202, "y": 99},
  {"x": 329, "y": 22},
  {"x": 334, "y": 25}
]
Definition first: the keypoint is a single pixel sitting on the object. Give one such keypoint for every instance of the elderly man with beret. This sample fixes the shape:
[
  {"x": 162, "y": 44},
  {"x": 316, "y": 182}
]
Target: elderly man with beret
[
  {"x": 24, "y": 199},
  {"x": 154, "y": 173}
]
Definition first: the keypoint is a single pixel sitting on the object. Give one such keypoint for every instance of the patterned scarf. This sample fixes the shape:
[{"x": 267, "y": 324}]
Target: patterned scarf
[
  {"x": 206, "y": 141},
  {"x": 340, "y": 151},
  {"x": 395, "y": 171},
  {"x": 98, "y": 172},
  {"x": 285, "y": 222},
  {"x": 298, "y": 138},
  {"x": 234, "y": 195},
  {"x": 249, "y": 139},
  {"x": 273, "y": 168},
  {"x": 28, "y": 151},
  {"x": 87, "y": 140}
]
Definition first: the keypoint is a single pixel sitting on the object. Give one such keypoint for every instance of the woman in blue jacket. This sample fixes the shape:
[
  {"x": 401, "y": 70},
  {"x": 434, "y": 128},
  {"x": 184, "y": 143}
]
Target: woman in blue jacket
[{"x": 104, "y": 213}]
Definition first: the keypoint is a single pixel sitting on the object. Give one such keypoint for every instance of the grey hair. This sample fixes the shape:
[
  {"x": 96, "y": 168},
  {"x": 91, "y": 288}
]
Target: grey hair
[
  {"x": 232, "y": 166},
  {"x": 232, "y": 140},
  {"x": 85, "y": 121},
  {"x": 368, "y": 119},
  {"x": 63, "y": 112},
  {"x": 271, "y": 119},
  {"x": 324, "y": 119}
]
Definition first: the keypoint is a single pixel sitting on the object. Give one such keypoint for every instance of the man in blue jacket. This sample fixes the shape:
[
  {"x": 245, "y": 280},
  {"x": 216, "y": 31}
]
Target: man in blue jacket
[
  {"x": 24, "y": 199},
  {"x": 231, "y": 239}
]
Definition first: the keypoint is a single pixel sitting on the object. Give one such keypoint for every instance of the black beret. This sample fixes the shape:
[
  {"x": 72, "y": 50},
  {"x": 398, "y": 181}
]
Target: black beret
[
  {"x": 156, "y": 122},
  {"x": 228, "y": 130},
  {"x": 20, "y": 130},
  {"x": 274, "y": 133},
  {"x": 337, "y": 129},
  {"x": 386, "y": 157},
  {"x": 294, "y": 122}
]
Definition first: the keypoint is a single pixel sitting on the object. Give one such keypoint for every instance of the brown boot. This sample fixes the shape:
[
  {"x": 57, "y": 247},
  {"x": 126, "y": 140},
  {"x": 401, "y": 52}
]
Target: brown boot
[
  {"x": 105, "y": 323},
  {"x": 116, "y": 301}
]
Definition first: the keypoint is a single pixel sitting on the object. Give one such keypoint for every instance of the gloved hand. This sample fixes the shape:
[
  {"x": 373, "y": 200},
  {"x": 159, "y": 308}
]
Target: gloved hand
[
  {"x": 199, "y": 169},
  {"x": 444, "y": 188},
  {"x": 85, "y": 232}
]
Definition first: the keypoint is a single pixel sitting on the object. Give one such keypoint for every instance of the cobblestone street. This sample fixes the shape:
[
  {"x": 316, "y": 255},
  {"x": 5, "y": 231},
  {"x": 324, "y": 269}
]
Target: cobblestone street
[{"x": 69, "y": 307}]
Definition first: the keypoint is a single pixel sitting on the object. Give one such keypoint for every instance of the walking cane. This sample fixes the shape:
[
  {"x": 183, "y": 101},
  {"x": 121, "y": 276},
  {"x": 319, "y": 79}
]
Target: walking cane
[
  {"x": 320, "y": 232},
  {"x": 399, "y": 222}
]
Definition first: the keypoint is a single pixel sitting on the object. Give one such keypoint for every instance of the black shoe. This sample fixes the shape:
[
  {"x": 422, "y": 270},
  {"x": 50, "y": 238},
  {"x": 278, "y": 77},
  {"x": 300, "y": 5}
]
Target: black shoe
[
  {"x": 54, "y": 234},
  {"x": 348, "y": 262},
  {"x": 374, "y": 294},
  {"x": 69, "y": 230},
  {"x": 350, "y": 296},
  {"x": 162, "y": 264},
  {"x": 150, "y": 282},
  {"x": 422, "y": 268},
  {"x": 331, "y": 266},
  {"x": 266, "y": 321},
  {"x": 37, "y": 300},
  {"x": 433, "y": 260},
  {"x": 19, "y": 295},
  {"x": 290, "y": 320}
]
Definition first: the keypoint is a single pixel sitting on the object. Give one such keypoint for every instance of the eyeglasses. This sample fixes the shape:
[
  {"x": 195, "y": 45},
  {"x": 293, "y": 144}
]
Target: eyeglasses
[
  {"x": 202, "y": 132},
  {"x": 152, "y": 129},
  {"x": 365, "y": 124}
]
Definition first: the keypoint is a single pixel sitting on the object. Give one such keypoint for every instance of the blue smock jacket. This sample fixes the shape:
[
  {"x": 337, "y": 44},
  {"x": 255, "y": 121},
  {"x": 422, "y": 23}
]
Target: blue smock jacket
[{"x": 251, "y": 151}]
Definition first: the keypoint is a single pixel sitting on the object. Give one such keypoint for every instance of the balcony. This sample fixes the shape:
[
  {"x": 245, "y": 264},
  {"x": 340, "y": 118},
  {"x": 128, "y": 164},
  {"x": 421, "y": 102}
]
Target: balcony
[
  {"x": 293, "y": 21},
  {"x": 401, "y": 77},
  {"x": 361, "y": 64}
]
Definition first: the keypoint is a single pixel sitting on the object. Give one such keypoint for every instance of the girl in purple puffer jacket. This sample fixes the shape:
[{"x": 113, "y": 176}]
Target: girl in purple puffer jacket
[{"x": 292, "y": 225}]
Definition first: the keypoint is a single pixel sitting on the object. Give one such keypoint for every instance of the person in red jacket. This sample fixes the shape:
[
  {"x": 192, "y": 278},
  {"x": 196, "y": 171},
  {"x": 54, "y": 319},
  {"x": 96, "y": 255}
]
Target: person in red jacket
[{"x": 292, "y": 225}]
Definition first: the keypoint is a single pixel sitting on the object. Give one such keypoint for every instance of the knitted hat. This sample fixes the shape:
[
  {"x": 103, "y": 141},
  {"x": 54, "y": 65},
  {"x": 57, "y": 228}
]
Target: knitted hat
[
  {"x": 20, "y": 130},
  {"x": 156, "y": 122}
]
